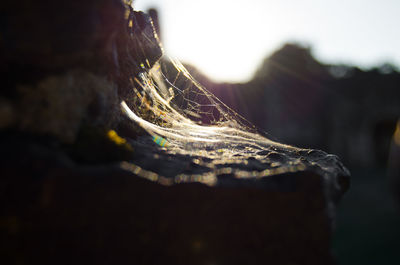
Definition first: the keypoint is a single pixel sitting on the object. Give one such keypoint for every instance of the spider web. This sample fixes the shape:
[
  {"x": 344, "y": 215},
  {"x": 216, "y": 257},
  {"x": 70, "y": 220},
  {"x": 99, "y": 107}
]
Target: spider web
[
  {"x": 180, "y": 109},
  {"x": 182, "y": 117}
]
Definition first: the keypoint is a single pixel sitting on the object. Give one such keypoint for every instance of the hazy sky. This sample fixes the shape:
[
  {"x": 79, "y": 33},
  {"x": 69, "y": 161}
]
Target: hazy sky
[{"x": 228, "y": 39}]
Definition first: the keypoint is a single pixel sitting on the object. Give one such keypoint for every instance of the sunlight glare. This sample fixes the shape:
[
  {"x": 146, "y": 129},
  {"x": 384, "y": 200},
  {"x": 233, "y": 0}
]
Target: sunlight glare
[
  {"x": 223, "y": 45},
  {"x": 228, "y": 40}
]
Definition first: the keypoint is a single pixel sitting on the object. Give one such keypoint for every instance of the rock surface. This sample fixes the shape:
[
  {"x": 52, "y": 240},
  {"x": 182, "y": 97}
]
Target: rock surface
[
  {"x": 72, "y": 191},
  {"x": 57, "y": 211}
]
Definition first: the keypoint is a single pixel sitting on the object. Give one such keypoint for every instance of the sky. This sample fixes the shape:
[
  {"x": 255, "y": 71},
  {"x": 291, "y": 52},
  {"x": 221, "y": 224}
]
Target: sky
[{"x": 228, "y": 39}]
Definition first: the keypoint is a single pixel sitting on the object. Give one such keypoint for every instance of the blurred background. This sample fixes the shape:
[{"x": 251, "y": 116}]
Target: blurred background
[{"x": 313, "y": 74}]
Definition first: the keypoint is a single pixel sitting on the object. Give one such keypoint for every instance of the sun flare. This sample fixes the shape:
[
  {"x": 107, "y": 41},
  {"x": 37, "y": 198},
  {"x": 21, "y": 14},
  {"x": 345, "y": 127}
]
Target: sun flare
[{"x": 227, "y": 40}]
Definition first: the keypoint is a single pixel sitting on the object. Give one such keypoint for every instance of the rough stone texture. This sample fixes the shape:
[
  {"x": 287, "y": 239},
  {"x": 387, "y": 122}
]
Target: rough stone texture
[
  {"x": 66, "y": 63},
  {"x": 58, "y": 105},
  {"x": 149, "y": 205},
  {"x": 55, "y": 211}
]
